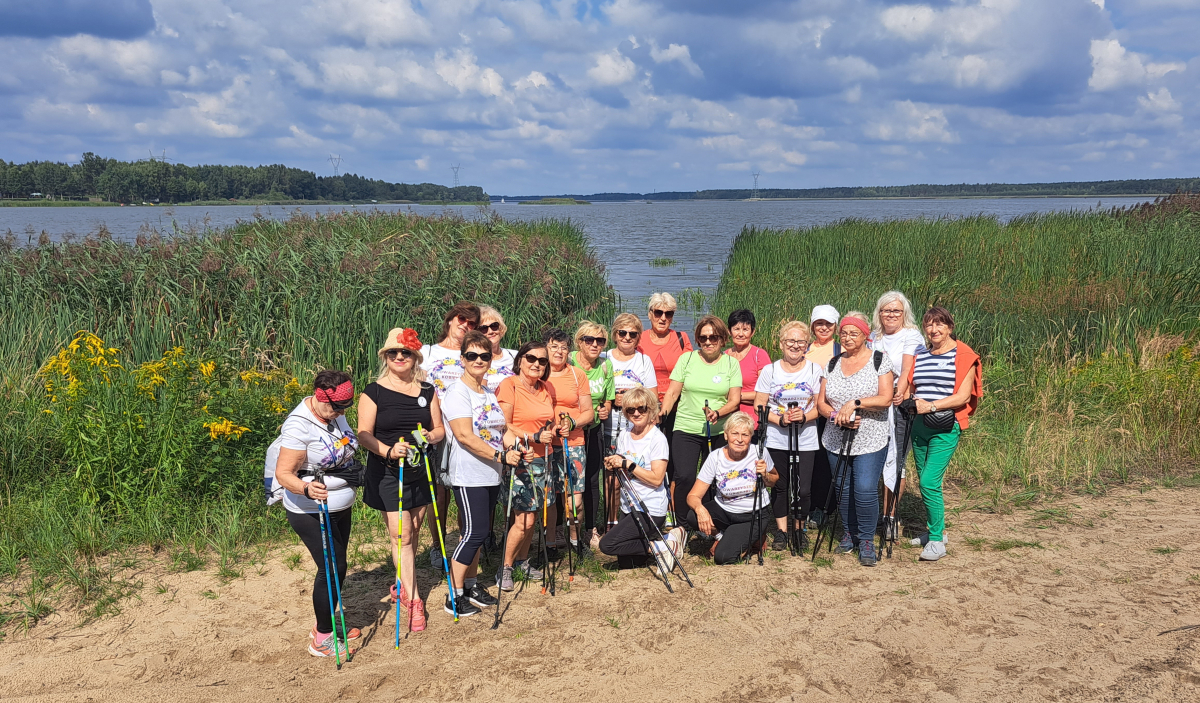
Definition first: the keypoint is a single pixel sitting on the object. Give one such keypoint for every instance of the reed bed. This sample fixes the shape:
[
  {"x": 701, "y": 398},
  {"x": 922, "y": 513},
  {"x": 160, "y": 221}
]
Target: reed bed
[
  {"x": 141, "y": 383},
  {"x": 1086, "y": 321}
]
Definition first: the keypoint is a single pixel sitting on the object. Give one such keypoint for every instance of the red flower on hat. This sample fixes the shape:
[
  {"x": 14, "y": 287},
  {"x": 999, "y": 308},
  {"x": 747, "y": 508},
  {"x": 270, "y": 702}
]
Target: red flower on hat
[{"x": 408, "y": 339}]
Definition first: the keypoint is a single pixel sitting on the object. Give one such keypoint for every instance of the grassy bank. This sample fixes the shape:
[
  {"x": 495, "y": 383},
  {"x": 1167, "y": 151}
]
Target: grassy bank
[
  {"x": 1087, "y": 323},
  {"x": 148, "y": 428}
]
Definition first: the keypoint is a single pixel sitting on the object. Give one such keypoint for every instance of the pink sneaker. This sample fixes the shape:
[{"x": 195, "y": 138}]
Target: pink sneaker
[
  {"x": 416, "y": 615},
  {"x": 403, "y": 595},
  {"x": 320, "y": 645}
]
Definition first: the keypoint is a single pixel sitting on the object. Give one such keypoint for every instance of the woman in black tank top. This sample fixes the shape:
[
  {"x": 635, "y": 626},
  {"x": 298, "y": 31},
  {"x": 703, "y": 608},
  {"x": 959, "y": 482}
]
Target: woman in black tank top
[{"x": 389, "y": 411}]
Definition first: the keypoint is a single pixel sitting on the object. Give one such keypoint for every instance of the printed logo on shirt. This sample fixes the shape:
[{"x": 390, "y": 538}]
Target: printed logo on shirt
[
  {"x": 444, "y": 372},
  {"x": 489, "y": 424},
  {"x": 737, "y": 483},
  {"x": 629, "y": 375},
  {"x": 596, "y": 386}
]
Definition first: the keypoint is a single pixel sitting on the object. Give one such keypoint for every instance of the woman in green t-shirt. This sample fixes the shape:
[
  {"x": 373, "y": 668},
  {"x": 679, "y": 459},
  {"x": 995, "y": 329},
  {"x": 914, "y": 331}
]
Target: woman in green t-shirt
[
  {"x": 700, "y": 377},
  {"x": 590, "y": 340}
]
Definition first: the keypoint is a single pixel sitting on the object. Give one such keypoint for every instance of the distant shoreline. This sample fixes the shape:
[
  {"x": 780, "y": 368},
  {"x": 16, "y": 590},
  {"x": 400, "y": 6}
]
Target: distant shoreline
[
  {"x": 222, "y": 203},
  {"x": 511, "y": 201}
]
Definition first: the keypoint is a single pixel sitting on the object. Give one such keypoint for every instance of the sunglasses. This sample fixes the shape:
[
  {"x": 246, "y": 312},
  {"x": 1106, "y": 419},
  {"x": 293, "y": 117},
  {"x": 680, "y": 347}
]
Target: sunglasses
[
  {"x": 663, "y": 313},
  {"x": 531, "y": 359},
  {"x": 342, "y": 406},
  {"x": 492, "y": 327},
  {"x": 639, "y": 410},
  {"x": 475, "y": 356},
  {"x": 471, "y": 324},
  {"x": 626, "y": 334},
  {"x": 588, "y": 339},
  {"x": 391, "y": 354},
  {"x": 709, "y": 338}
]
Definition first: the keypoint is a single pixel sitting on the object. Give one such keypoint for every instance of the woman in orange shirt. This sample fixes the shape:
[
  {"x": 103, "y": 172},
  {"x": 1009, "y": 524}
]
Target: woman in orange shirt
[
  {"x": 527, "y": 400},
  {"x": 664, "y": 346},
  {"x": 573, "y": 398}
]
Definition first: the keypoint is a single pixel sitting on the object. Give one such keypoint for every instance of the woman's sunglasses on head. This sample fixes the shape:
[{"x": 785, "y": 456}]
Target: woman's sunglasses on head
[{"x": 475, "y": 356}]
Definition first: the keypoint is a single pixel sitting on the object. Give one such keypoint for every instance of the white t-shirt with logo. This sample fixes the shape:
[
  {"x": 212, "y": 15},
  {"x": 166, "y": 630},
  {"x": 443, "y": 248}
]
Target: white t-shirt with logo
[
  {"x": 442, "y": 367},
  {"x": 906, "y": 341},
  {"x": 487, "y": 421},
  {"x": 637, "y": 371},
  {"x": 502, "y": 368},
  {"x": 782, "y": 388},
  {"x": 652, "y": 447},
  {"x": 326, "y": 445},
  {"x": 734, "y": 480}
]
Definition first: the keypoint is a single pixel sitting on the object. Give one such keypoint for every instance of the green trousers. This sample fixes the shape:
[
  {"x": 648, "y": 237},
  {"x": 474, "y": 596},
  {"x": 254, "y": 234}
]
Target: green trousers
[{"x": 932, "y": 451}]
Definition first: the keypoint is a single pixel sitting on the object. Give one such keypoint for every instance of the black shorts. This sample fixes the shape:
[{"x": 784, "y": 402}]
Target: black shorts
[{"x": 382, "y": 488}]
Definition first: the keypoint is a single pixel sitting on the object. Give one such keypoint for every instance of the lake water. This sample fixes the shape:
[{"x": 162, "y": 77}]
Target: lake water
[{"x": 626, "y": 236}]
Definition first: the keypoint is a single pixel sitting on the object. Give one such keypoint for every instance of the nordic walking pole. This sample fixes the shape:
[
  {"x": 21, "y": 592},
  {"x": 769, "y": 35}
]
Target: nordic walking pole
[
  {"x": 546, "y": 583},
  {"x": 570, "y": 514},
  {"x": 512, "y": 475},
  {"x": 792, "y": 521},
  {"x": 419, "y": 435},
  {"x": 337, "y": 653},
  {"x": 838, "y": 481},
  {"x": 641, "y": 505},
  {"x": 758, "y": 487},
  {"x": 892, "y": 532},
  {"x": 324, "y": 506},
  {"x": 636, "y": 513},
  {"x": 707, "y": 430},
  {"x": 399, "y": 549}
]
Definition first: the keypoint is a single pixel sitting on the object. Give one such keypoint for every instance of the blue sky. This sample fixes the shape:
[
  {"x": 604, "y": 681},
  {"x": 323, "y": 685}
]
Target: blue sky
[{"x": 621, "y": 95}]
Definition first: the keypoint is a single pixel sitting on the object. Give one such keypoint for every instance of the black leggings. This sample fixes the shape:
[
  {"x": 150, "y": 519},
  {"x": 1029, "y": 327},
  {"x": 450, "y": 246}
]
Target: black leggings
[
  {"x": 803, "y": 487},
  {"x": 625, "y": 539},
  {"x": 687, "y": 451},
  {"x": 308, "y": 527},
  {"x": 475, "y": 507},
  {"x": 593, "y": 443},
  {"x": 736, "y": 528}
]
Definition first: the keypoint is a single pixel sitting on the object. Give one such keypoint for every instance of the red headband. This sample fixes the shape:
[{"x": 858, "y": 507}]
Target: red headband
[
  {"x": 344, "y": 392},
  {"x": 854, "y": 321}
]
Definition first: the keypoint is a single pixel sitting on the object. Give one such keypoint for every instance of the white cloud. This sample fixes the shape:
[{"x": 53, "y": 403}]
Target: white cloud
[
  {"x": 912, "y": 122},
  {"x": 852, "y": 68},
  {"x": 675, "y": 52},
  {"x": 422, "y": 163},
  {"x": 1113, "y": 66},
  {"x": 463, "y": 73},
  {"x": 1159, "y": 101},
  {"x": 612, "y": 68},
  {"x": 376, "y": 22},
  {"x": 535, "y": 79}
]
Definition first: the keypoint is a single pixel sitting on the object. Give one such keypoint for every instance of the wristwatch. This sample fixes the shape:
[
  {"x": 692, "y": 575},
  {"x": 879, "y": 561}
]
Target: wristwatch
[
  {"x": 858, "y": 402},
  {"x": 932, "y": 408}
]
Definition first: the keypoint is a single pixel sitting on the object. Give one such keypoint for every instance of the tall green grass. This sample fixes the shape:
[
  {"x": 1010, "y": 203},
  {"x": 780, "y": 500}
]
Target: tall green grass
[
  {"x": 141, "y": 383},
  {"x": 1086, "y": 321}
]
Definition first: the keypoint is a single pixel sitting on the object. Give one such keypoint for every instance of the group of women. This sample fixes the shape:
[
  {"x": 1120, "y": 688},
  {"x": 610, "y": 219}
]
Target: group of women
[{"x": 571, "y": 425}]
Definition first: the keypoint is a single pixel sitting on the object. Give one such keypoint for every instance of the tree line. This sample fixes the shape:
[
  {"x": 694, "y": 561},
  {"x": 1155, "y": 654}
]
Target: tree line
[
  {"x": 1147, "y": 186},
  {"x": 155, "y": 180}
]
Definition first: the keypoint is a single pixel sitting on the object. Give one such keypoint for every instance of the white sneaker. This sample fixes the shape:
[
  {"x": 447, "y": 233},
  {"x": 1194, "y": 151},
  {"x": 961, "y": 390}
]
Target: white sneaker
[
  {"x": 933, "y": 551},
  {"x": 924, "y": 540},
  {"x": 676, "y": 538}
]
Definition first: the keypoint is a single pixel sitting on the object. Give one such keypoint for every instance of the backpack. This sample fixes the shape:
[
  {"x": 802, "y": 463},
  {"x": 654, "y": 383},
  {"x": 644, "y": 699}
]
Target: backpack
[{"x": 837, "y": 354}]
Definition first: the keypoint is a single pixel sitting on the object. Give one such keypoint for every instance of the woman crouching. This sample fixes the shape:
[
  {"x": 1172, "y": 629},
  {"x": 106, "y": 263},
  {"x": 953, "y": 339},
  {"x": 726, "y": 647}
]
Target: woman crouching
[
  {"x": 734, "y": 470},
  {"x": 646, "y": 448}
]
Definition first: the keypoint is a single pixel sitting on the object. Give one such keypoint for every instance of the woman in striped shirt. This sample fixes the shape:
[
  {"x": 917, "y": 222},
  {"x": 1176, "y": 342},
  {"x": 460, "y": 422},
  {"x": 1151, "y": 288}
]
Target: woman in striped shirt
[{"x": 946, "y": 380}]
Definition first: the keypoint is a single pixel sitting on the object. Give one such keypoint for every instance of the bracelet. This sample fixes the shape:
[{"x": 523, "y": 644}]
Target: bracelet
[{"x": 306, "y": 492}]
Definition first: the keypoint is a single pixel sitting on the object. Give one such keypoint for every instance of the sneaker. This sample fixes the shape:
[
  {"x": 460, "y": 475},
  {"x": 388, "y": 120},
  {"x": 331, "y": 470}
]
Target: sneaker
[
  {"x": 676, "y": 537},
  {"x": 933, "y": 551},
  {"x": 779, "y": 542},
  {"x": 530, "y": 571},
  {"x": 866, "y": 554},
  {"x": 402, "y": 596},
  {"x": 435, "y": 560},
  {"x": 924, "y": 540},
  {"x": 479, "y": 596},
  {"x": 416, "y": 615},
  {"x": 321, "y": 645},
  {"x": 816, "y": 518},
  {"x": 669, "y": 523},
  {"x": 505, "y": 579},
  {"x": 463, "y": 605},
  {"x": 353, "y": 635},
  {"x": 846, "y": 545}
]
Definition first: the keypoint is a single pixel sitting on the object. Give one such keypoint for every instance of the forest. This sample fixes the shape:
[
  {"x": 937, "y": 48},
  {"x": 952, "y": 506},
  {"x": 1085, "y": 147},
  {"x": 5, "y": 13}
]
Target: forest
[{"x": 161, "y": 181}]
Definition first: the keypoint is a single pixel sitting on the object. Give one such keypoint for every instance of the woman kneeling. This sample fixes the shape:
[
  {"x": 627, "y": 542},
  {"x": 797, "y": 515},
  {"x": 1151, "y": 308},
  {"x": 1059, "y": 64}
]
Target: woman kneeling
[
  {"x": 645, "y": 447},
  {"x": 729, "y": 516}
]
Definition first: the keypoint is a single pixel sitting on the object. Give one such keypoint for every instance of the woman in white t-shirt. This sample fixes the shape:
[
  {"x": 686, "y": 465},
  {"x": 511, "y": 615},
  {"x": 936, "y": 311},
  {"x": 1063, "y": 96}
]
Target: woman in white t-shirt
[
  {"x": 442, "y": 364},
  {"x": 315, "y": 437},
  {"x": 895, "y": 333},
  {"x": 491, "y": 323},
  {"x": 477, "y": 428},
  {"x": 732, "y": 470},
  {"x": 645, "y": 447},
  {"x": 789, "y": 389},
  {"x": 631, "y": 369}
]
